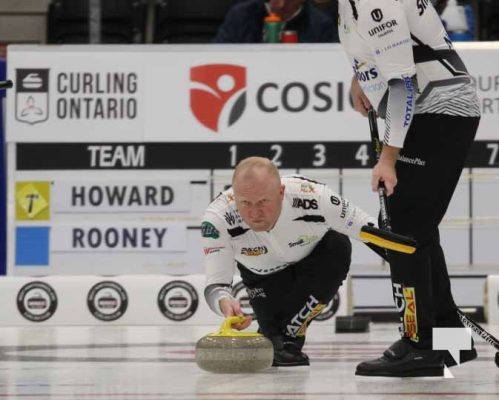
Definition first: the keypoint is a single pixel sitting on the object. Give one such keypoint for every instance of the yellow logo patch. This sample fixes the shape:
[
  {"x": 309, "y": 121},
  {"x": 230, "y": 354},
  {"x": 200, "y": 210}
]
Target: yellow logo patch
[
  {"x": 33, "y": 201},
  {"x": 410, "y": 316},
  {"x": 313, "y": 313}
]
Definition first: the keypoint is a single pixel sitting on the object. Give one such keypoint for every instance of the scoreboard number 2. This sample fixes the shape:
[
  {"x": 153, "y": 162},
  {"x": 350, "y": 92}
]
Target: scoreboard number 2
[{"x": 276, "y": 157}]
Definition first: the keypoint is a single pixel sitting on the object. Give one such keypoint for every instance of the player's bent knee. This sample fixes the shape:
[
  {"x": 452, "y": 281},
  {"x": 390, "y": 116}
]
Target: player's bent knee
[{"x": 339, "y": 252}]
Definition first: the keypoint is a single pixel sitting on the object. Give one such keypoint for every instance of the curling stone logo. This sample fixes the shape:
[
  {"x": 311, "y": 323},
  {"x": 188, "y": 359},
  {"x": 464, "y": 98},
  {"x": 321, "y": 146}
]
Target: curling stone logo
[
  {"x": 330, "y": 310},
  {"x": 36, "y": 301},
  {"x": 178, "y": 300},
  {"x": 240, "y": 293},
  {"x": 107, "y": 301},
  {"x": 218, "y": 94},
  {"x": 32, "y": 95}
]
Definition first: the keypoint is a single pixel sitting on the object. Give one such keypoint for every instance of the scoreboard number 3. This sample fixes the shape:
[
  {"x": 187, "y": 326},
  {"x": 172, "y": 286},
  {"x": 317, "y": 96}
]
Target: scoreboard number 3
[{"x": 319, "y": 155}]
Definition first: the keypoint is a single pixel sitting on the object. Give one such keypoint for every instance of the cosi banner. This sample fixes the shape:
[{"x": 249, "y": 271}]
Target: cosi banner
[{"x": 212, "y": 93}]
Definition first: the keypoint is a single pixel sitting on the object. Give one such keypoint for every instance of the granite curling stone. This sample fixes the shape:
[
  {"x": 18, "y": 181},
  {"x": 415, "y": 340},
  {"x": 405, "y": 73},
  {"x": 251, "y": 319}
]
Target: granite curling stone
[{"x": 228, "y": 351}]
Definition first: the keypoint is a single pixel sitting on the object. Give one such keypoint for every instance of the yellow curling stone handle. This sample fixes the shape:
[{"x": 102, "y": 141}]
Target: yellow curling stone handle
[{"x": 226, "y": 328}]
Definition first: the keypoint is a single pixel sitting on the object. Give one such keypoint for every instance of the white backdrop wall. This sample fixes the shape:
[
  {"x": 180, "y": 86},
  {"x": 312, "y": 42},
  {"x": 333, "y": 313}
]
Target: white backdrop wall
[
  {"x": 114, "y": 152},
  {"x": 124, "y": 300}
]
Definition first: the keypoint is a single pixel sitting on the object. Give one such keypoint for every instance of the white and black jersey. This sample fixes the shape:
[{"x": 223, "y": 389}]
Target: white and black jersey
[
  {"x": 310, "y": 209},
  {"x": 404, "y": 62}
]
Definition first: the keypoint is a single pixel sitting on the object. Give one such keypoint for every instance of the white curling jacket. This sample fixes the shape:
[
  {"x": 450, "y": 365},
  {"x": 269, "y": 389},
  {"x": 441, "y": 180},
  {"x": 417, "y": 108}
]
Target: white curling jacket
[
  {"x": 309, "y": 210},
  {"x": 402, "y": 45}
]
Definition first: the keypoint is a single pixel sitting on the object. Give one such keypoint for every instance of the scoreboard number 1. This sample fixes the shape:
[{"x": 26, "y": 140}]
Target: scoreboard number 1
[{"x": 233, "y": 155}]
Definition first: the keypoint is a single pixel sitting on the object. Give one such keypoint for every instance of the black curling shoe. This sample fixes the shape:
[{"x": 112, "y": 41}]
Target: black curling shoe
[
  {"x": 289, "y": 355},
  {"x": 402, "y": 359}
]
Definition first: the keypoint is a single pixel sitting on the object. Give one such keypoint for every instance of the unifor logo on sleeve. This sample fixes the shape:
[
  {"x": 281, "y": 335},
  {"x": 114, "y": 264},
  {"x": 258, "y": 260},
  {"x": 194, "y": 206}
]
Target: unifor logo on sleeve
[{"x": 32, "y": 95}]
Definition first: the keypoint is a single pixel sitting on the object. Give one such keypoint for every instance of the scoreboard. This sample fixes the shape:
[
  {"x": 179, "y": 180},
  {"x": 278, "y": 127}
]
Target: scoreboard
[
  {"x": 114, "y": 154},
  {"x": 223, "y": 155}
]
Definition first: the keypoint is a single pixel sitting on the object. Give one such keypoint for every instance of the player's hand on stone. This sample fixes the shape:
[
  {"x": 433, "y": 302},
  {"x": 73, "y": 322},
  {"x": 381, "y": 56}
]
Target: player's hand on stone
[{"x": 232, "y": 307}]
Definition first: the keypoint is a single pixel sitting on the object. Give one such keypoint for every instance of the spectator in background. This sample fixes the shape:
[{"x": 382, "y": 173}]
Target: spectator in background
[
  {"x": 244, "y": 21},
  {"x": 329, "y": 7}
]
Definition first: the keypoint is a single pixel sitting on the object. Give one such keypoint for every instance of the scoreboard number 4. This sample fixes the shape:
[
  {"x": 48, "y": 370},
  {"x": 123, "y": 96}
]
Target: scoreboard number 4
[{"x": 362, "y": 155}]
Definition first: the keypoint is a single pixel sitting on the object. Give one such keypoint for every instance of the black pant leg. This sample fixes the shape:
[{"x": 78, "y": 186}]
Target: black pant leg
[
  {"x": 445, "y": 307},
  {"x": 317, "y": 279},
  {"x": 285, "y": 302},
  {"x": 428, "y": 171}
]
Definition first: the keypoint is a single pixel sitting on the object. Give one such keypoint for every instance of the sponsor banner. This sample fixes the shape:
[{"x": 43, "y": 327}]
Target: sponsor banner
[
  {"x": 196, "y": 93},
  {"x": 480, "y": 59},
  {"x": 69, "y": 94},
  {"x": 249, "y": 99},
  {"x": 70, "y": 196},
  {"x": 81, "y": 93},
  {"x": 273, "y": 94},
  {"x": 98, "y": 300},
  {"x": 117, "y": 300}
]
